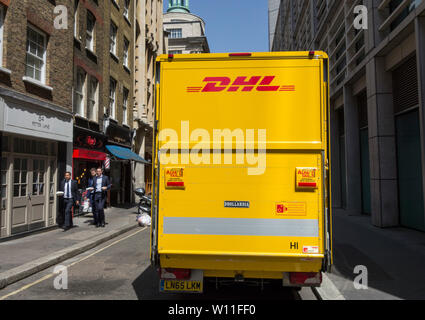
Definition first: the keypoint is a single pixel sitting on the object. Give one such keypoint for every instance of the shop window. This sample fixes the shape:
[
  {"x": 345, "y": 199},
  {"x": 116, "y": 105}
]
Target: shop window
[
  {"x": 52, "y": 179},
  {"x": 53, "y": 149},
  {"x": 38, "y": 172},
  {"x": 21, "y": 145},
  {"x": 3, "y": 183},
  {"x": 5, "y": 144},
  {"x": 20, "y": 172}
]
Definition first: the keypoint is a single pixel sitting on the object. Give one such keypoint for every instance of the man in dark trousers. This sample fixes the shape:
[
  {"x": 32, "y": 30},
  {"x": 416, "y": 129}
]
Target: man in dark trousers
[
  {"x": 70, "y": 189},
  {"x": 101, "y": 185},
  {"x": 90, "y": 194}
]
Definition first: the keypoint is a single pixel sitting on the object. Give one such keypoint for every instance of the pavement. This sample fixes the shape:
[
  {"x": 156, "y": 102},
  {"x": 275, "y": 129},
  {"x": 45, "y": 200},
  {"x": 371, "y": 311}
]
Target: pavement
[
  {"x": 394, "y": 260},
  {"x": 25, "y": 256},
  {"x": 390, "y": 261}
]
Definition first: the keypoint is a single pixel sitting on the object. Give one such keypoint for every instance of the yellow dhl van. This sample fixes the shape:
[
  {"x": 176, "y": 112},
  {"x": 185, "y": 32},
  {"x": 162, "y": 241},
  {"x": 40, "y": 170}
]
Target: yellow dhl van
[{"x": 241, "y": 181}]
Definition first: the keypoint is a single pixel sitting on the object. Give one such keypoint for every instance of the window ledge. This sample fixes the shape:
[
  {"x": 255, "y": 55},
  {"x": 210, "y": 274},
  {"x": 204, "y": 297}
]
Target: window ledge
[
  {"x": 114, "y": 56},
  {"x": 127, "y": 20},
  {"x": 126, "y": 68},
  {"x": 6, "y": 71},
  {"x": 91, "y": 51},
  {"x": 116, "y": 4},
  {"x": 37, "y": 83}
]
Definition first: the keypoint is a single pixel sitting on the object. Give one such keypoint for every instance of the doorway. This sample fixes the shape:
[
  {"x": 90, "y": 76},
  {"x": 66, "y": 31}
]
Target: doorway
[
  {"x": 28, "y": 194},
  {"x": 410, "y": 171}
]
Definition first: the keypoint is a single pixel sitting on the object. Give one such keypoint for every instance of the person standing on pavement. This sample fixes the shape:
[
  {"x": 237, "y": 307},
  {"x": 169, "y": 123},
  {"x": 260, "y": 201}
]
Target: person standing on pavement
[
  {"x": 70, "y": 189},
  {"x": 90, "y": 193},
  {"x": 101, "y": 185}
]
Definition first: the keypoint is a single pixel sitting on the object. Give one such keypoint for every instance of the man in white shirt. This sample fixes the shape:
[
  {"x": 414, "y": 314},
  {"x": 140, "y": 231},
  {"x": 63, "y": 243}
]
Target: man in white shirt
[
  {"x": 70, "y": 189},
  {"x": 101, "y": 185}
]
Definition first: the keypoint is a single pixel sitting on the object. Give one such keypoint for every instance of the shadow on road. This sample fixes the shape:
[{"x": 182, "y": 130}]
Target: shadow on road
[{"x": 146, "y": 287}]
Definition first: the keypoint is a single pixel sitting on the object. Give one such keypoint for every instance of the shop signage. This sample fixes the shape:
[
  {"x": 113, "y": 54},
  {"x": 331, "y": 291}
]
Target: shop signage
[
  {"x": 118, "y": 134},
  {"x": 88, "y": 140},
  {"x": 34, "y": 121}
]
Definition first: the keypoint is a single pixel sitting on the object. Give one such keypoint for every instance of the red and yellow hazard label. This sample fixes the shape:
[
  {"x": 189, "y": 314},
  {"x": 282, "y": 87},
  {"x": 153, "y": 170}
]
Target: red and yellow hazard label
[
  {"x": 174, "y": 178},
  {"x": 291, "y": 208},
  {"x": 307, "y": 178}
]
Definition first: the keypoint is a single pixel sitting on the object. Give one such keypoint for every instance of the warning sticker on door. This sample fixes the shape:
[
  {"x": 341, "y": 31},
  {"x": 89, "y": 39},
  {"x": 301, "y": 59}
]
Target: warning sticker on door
[
  {"x": 307, "y": 178},
  {"x": 291, "y": 208}
]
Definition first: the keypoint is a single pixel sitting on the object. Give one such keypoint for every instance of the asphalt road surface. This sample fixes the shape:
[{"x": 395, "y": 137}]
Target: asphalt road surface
[{"x": 120, "y": 270}]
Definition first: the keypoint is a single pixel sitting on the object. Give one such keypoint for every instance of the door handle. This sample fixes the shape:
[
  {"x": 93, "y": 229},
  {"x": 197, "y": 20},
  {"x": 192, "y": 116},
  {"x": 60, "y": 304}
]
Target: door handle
[{"x": 29, "y": 196}]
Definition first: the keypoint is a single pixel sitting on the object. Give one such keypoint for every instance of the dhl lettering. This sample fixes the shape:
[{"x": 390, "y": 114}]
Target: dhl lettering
[{"x": 240, "y": 84}]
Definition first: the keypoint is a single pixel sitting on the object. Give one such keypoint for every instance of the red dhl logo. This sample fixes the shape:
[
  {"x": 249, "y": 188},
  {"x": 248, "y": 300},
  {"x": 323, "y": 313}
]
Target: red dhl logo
[{"x": 241, "y": 84}]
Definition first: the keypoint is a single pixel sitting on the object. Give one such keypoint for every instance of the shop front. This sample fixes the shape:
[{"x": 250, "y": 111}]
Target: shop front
[
  {"x": 119, "y": 144},
  {"x": 35, "y": 137},
  {"x": 89, "y": 152}
]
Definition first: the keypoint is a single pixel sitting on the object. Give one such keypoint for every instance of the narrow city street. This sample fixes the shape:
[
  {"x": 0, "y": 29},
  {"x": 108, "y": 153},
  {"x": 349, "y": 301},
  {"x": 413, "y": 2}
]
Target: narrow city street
[{"x": 120, "y": 270}]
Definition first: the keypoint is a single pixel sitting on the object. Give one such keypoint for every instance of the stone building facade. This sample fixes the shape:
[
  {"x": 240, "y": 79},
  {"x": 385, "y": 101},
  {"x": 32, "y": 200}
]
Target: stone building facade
[
  {"x": 36, "y": 121},
  {"x": 150, "y": 42},
  {"x": 377, "y": 99},
  {"x": 186, "y": 31}
]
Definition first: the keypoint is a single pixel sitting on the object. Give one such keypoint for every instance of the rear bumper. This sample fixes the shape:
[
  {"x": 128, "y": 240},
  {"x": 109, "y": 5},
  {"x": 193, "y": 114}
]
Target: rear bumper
[{"x": 250, "y": 267}]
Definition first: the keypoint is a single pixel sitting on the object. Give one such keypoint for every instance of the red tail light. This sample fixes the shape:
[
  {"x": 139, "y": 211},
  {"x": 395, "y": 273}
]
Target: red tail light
[
  {"x": 170, "y": 56},
  {"x": 240, "y": 54},
  {"x": 173, "y": 273},
  {"x": 305, "y": 278}
]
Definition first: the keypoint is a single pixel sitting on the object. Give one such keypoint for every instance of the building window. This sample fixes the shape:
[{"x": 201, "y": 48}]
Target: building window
[
  {"x": 175, "y": 51},
  {"x": 126, "y": 8},
  {"x": 125, "y": 55},
  {"x": 1, "y": 33},
  {"x": 79, "y": 93},
  {"x": 3, "y": 183},
  {"x": 76, "y": 19},
  {"x": 113, "y": 38},
  {"x": 91, "y": 21},
  {"x": 112, "y": 98},
  {"x": 175, "y": 33},
  {"x": 92, "y": 99},
  {"x": 36, "y": 55},
  {"x": 125, "y": 106}
]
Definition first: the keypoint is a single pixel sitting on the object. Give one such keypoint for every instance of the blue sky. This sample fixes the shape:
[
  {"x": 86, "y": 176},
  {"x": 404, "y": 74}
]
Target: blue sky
[{"x": 233, "y": 25}]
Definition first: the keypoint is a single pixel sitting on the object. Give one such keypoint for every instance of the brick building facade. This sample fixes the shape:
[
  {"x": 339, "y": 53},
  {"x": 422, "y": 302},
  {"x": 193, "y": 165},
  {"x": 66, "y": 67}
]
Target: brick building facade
[{"x": 35, "y": 112}]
